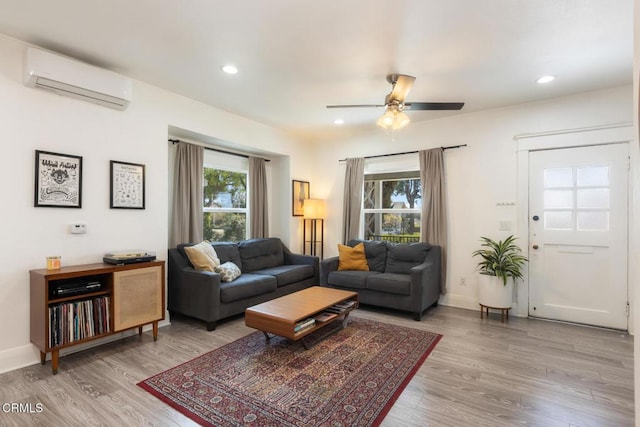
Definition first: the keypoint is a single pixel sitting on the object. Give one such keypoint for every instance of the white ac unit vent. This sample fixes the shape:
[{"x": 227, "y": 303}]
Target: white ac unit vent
[{"x": 76, "y": 79}]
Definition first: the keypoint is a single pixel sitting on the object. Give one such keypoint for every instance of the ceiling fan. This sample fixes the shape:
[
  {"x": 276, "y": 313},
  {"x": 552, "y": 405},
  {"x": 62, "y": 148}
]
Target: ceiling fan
[{"x": 395, "y": 105}]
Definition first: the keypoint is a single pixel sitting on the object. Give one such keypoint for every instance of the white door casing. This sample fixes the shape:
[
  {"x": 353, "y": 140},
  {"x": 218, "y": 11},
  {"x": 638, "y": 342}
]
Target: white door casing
[{"x": 578, "y": 238}]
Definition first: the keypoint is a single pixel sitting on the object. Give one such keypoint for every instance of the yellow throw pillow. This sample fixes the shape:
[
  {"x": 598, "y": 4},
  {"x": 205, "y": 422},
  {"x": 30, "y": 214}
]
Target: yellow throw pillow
[
  {"x": 352, "y": 258},
  {"x": 202, "y": 256}
]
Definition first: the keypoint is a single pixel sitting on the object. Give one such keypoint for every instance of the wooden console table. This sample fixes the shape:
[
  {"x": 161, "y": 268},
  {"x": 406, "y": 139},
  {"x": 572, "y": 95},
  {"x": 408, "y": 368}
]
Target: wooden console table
[{"x": 80, "y": 303}]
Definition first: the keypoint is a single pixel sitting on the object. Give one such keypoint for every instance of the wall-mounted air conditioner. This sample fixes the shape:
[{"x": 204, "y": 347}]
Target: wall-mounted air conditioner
[{"x": 76, "y": 79}]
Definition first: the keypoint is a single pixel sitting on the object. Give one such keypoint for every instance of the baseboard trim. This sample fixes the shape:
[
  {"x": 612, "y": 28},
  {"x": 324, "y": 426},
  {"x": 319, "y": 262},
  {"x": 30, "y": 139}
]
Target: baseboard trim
[
  {"x": 27, "y": 355},
  {"x": 460, "y": 301},
  {"x": 18, "y": 357},
  {"x": 471, "y": 303}
]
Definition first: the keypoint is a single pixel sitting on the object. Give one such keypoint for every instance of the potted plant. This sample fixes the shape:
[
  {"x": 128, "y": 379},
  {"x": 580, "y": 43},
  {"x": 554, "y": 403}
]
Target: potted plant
[{"x": 499, "y": 261}]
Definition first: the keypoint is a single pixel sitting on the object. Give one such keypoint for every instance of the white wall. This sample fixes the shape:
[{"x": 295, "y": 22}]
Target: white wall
[
  {"x": 479, "y": 177},
  {"x": 36, "y": 120},
  {"x": 634, "y": 276}
]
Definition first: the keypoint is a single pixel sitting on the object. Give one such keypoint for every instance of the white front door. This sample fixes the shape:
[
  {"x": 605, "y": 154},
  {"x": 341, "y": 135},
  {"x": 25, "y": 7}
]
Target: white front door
[{"x": 578, "y": 234}]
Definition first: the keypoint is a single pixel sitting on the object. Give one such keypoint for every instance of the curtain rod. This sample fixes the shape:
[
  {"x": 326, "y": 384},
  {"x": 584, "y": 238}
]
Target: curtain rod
[
  {"x": 246, "y": 156},
  {"x": 406, "y": 152}
]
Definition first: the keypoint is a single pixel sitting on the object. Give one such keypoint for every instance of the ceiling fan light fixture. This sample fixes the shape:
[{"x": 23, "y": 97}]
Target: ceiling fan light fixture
[
  {"x": 388, "y": 118},
  {"x": 393, "y": 118},
  {"x": 400, "y": 120}
]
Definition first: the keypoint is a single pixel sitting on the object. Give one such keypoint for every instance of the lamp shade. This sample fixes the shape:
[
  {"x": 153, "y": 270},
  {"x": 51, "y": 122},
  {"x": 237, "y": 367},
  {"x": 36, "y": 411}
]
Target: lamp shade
[{"x": 314, "y": 208}]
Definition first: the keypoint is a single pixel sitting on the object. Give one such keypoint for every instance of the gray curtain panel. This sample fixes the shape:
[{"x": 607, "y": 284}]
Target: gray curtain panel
[
  {"x": 433, "y": 228},
  {"x": 258, "y": 206},
  {"x": 187, "y": 223},
  {"x": 352, "y": 204}
]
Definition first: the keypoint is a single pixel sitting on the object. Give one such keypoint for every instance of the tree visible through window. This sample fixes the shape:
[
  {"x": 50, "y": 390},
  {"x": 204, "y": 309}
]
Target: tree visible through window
[
  {"x": 392, "y": 207},
  {"x": 224, "y": 205}
]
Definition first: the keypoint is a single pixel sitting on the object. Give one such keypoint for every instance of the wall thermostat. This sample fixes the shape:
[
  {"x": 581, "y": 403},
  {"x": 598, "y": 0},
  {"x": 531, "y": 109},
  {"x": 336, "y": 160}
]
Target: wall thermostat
[{"x": 78, "y": 228}]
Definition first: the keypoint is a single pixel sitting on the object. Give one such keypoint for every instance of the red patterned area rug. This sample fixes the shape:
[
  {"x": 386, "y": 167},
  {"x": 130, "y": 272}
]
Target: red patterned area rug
[{"x": 351, "y": 378}]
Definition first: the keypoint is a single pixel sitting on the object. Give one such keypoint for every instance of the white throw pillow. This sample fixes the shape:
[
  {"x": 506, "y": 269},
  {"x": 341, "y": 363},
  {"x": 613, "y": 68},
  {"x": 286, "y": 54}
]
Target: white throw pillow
[{"x": 228, "y": 271}]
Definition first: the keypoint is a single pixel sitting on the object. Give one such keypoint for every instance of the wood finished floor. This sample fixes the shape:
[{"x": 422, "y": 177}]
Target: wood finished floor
[{"x": 482, "y": 373}]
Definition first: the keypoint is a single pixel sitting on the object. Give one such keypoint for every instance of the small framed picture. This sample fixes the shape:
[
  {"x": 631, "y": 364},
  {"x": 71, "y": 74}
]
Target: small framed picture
[
  {"x": 58, "y": 180},
  {"x": 127, "y": 186},
  {"x": 299, "y": 192}
]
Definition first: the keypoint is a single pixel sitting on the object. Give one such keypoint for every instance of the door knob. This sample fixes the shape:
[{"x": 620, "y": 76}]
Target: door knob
[
  {"x": 536, "y": 217},
  {"x": 535, "y": 246}
]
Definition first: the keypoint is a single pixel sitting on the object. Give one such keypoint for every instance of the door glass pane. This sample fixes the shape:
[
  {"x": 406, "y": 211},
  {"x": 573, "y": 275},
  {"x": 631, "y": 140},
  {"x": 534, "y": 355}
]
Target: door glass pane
[
  {"x": 593, "y": 176},
  {"x": 558, "y": 199},
  {"x": 593, "y": 221},
  {"x": 560, "y": 220},
  {"x": 558, "y": 177},
  {"x": 593, "y": 198}
]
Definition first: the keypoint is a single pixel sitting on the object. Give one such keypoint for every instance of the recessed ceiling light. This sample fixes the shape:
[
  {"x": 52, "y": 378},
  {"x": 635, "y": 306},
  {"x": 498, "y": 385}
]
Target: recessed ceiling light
[
  {"x": 545, "y": 79},
  {"x": 338, "y": 121},
  {"x": 230, "y": 69}
]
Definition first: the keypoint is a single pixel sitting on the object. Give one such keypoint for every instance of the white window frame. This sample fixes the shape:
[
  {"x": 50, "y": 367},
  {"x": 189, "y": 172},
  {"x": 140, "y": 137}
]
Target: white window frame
[
  {"x": 365, "y": 211},
  {"x": 238, "y": 165}
]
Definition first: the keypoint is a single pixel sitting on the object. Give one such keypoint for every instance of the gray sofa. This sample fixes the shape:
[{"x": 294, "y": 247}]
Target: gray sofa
[
  {"x": 269, "y": 270},
  {"x": 402, "y": 276}
]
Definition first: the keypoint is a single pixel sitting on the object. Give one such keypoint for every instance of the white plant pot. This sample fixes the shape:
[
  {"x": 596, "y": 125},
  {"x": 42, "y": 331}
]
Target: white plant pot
[{"x": 492, "y": 292}]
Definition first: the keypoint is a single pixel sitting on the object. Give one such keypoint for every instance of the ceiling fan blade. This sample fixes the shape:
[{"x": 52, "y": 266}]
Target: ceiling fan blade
[
  {"x": 401, "y": 87},
  {"x": 433, "y": 105},
  {"x": 354, "y": 106}
]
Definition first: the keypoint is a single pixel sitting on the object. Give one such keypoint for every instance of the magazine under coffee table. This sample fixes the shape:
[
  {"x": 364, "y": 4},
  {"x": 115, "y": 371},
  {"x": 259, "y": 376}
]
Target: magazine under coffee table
[{"x": 290, "y": 316}]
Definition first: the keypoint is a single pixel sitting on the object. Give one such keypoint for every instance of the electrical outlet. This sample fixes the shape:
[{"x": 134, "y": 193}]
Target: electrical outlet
[{"x": 463, "y": 281}]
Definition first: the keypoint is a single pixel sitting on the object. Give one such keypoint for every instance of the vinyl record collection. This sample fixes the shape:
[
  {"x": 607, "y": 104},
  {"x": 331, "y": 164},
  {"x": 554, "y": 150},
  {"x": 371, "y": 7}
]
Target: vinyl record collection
[{"x": 77, "y": 320}]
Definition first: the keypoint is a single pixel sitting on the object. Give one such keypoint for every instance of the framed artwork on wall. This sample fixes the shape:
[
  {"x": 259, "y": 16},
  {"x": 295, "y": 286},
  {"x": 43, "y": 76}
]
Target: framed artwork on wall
[
  {"x": 300, "y": 191},
  {"x": 127, "y": 186},
  {"x": 58, "y": 180}
]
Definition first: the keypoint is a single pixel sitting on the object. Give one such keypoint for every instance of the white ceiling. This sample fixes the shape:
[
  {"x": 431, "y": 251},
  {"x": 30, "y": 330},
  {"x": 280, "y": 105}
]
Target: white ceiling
[{"x": 297, "y": 56}]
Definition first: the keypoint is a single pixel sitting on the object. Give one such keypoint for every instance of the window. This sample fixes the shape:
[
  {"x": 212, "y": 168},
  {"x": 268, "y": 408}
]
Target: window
[
  {"x": 392, "y": 207},
  {"x": 224, "y": 205}
]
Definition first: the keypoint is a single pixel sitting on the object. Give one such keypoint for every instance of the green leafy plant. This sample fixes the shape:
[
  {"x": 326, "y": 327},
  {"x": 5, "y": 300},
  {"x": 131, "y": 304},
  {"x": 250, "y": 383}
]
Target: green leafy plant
[{"x": 502, "y": 259}]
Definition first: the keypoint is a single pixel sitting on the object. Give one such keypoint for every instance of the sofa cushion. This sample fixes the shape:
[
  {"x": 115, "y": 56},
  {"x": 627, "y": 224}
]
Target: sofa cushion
[
  {"x": 246, "y": 286},
  {"x": 352, "y": 258},
  {"x": 350, "y": 279},
  {"x": 202, "y": 256},
  {"x": 258, "y": 254},
  {"x": 228, "y": 271},
  {"x": 228, "y": 252},
  {"x": 401, "y": 257},
  {"x": 376, "y": 252},
  {"x": 287, "y": 274},
  {"x": 391, "y": 283}
]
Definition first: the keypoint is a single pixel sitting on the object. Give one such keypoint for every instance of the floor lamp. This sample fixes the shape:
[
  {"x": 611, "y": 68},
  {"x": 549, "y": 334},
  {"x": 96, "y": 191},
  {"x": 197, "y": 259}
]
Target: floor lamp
[{"x": 313, "y": 228}]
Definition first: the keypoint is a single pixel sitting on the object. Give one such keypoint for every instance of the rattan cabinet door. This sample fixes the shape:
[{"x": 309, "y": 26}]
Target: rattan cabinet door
[{"x": 137, "y": 297}]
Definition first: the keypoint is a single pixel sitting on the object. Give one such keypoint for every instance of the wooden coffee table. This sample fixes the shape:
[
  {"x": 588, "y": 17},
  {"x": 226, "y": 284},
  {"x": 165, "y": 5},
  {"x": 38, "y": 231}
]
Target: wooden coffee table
[{"x": 282, "y": 315}]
